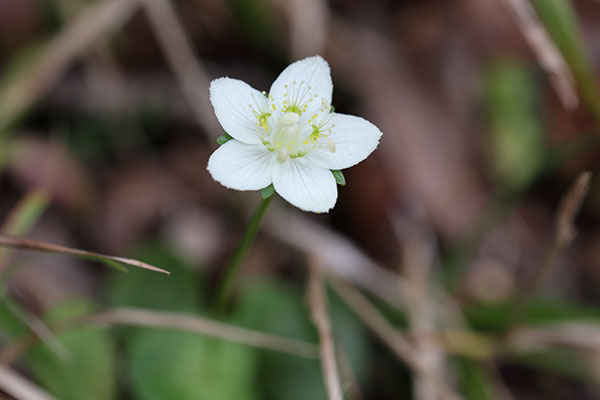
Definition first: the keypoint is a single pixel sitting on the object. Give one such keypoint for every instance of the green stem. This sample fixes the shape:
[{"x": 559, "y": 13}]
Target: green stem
[{"x": 228, "y": 279}]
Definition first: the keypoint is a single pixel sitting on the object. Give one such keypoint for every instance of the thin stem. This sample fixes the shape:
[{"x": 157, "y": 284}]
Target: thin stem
[{"x": 228, "y": 279}]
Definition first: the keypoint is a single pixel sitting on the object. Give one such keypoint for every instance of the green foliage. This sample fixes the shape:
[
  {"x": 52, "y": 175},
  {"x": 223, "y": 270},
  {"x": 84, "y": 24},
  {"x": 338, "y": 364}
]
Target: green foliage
[
  {"x": 497, "y": 317},
  {"x": 140, "y": 288},
  {"x": 516, "y": 138},
  {"x": 560, "y": 20},
  {"x": 165, "y": 364},
  {"x": 267, "y": 192},
  {"x": 169, "y": 365},
  {"x": 566, "y": 362},
  {"x": 14, "y": 103},
  {"x": 89, "y": 372},
  {"x": 473, "y": 381},
  {"x": 26, "y": 214},
  {"x": 224, "y": 138},
  {"x": 258, "y": 23},
  {"x": 279, "y": 309},
  {"x": 339, "y": 177}
]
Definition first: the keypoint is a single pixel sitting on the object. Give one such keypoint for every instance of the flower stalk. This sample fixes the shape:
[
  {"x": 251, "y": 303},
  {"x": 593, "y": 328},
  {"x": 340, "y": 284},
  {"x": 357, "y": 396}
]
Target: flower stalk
[{"x": 233, "y": 268}]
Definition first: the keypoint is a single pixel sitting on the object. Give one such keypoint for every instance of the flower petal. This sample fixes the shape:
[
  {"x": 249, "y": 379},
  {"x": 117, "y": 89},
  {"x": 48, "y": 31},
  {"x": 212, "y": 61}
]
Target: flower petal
[
  {"x": 241, "y": 166},
  {"x": 305, "y": 185},
  {"x": 231, "y": 99},
  {"x": 310, "y": 72},
  {"x": 354, "y": 138}
]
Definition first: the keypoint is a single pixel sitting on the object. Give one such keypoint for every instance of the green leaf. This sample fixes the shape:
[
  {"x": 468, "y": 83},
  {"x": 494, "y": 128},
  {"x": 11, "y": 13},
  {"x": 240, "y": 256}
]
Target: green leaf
[
  {"x": 278, "y": 308},
  {"x": 560, "y": 20},
  {"x": 15, "y": 96},
  {"x": 566, "y": 362},
  {"x": 516, "y": 140},
  {"x": 90, "y": 370},
  {"x": 26, "y": 213},
  {"x": 138, "y": 288},
  {"x": 474, "y": 382},
  {"x": 267, "y": 192},
  {"x": 331, "y": 109},
  {"x": 224, "y": 138},
  {"x": 339, "y": 177},
  {"x": 497, "y": 317},
  {"x": 166, "y": 364}
]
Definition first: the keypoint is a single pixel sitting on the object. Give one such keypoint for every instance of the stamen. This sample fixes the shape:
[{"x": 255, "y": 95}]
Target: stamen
[
  {"x": 331, "y": 145},
  {"x": 289, "y": 118},
  {"x": 281, "y": 157}
]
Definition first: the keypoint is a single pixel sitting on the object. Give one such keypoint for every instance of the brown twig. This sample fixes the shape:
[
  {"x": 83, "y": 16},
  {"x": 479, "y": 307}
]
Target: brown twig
[
  {"x": 96, "y": 21},
  {"x": 418, "y": 261},
  {"x": 348, "y": 378},
  {"x": 564, "y": 234},
  {"x": 338, "y": 256},
  {"x": 205, "y": 326},
  {"x": 35, "y": 245},
  {"x": 168, "y": 320},
  {"x": 388, "y": 334},
  {"x": 546, "y": 52},
  {"x": 19, "y": 387},
  {"x": 320, "y": 316},
  {"x": 192, "y": 77}
]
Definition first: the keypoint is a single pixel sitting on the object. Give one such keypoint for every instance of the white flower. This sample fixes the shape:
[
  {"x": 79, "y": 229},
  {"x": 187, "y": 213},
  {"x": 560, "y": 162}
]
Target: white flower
[{"x": 289, "y": 137}]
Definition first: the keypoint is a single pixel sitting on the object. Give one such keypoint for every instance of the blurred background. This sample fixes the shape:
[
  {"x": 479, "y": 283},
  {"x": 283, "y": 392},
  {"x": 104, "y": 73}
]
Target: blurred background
[{"x": 461, "y": 260}]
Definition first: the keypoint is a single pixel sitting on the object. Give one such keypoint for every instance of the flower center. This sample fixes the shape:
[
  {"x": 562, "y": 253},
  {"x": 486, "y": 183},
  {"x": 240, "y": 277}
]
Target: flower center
[{"x": 289, "y": 134}]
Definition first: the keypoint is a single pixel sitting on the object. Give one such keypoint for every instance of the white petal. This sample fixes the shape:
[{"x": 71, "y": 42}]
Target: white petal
[
  {"x": 354, "y": 137},
  {"x": 311, "y": 71},
  {"x": 241, "y": 166},
  {"x": 231, "y": 99},
  {"x": 305, "y": 185}
]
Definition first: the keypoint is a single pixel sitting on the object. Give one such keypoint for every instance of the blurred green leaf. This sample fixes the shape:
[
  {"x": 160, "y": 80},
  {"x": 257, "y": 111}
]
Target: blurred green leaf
[
  {"x": 267, "y": 192},
  {"x": 15, "y": 94},
  {"x": 473, "y": 381},
  {"x": 169, "y": 365},
  {"x": 90, "y": 370},
  {"x": 259, "y": 23},
  {"x": 11, "y": 324},
  {"x": 560, "y": 21},
  {"x": 224, "y": 138},
  {"x": 497, "y": 317},
  {"x": 517, "y": 146},
  {"x": 339, "y": 177},
  {"x": 20, "y": 221},
  {"x": 138, "y": 288},
  {"x": 27, "y": 212},
  {"x": 278, "y": 308},
  {"x": 565, "y": 362}
]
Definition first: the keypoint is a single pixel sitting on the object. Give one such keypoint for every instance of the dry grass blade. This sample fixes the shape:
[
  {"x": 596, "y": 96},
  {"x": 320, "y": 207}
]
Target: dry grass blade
[
  {"x": 564, "y": 231},
  {"x": 96, "y": 21},
  {"x": 320, "y": 316},
  {"x": 577, "y": 335},
  {"x": 335, "y": 253},
  {"x": 388, "y": 334},
  {"x": 376, "y": 322},
  {"x": 418, "y": 260},
  {"x": 546, "y": 51},
  {"x": 19, "y": 387},
  {"x": 192, "y": 78},
  {"x": 204, "y": 326},
  {"x": 29, "y": 244}
]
